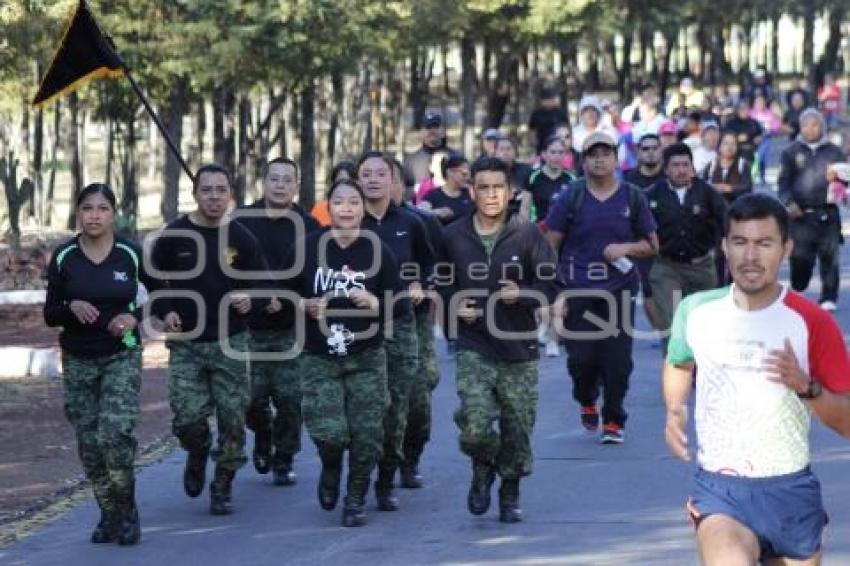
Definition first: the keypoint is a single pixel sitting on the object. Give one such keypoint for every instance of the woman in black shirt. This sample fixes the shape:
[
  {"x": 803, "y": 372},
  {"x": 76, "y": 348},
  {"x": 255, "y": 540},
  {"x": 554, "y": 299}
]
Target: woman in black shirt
[
  {"x": 343, "y": 288},
  {"x": 93, "y": 291},
  {"x": 546, "y": 183}
]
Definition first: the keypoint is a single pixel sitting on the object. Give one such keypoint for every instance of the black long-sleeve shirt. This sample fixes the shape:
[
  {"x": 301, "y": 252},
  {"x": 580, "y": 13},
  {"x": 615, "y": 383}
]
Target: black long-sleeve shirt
[
  {"x": 360, "y": 265},
  {"x": 406, "y": 236},
  {"x": 111, "y": 286},
  {"x": 174, "y": 253},
  {"x": 520, "y": 253},
  {"x": 691, "y": 229},
  {"x": 802, "y": 176},
  {"x": 276, "y": 236},
  {"x": 435, "y": 238}
]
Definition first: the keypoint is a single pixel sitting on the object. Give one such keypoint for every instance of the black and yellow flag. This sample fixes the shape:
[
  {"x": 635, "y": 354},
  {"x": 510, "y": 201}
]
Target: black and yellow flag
[{"x": 85, "y": 54}]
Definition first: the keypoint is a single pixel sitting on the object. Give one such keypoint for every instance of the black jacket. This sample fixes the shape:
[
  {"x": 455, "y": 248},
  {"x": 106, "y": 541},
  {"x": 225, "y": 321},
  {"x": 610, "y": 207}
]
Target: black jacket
[
  {"x": 690, "y": 230},
  {"x": 802, "y": 176},
  {"x": 521, "y": 254}
]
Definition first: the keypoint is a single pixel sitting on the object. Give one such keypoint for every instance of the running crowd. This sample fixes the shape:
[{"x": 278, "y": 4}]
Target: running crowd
[{"x": 275, "y": 316}]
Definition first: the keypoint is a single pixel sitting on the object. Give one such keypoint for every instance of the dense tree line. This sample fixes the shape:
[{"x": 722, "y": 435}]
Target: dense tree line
[{"x": 321, "y": 79}]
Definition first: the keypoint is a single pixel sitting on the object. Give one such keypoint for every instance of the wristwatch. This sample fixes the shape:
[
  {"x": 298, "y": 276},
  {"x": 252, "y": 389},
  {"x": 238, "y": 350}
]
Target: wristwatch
[{"x": 813, "y": 391}]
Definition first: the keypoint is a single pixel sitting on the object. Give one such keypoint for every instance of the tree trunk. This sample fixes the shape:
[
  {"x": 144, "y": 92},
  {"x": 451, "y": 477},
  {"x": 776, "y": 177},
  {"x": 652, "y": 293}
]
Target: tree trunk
[
  {"x": 224, "y": 135},
  {"x": 625, "y": 70},
  {"x": 130, "y": 193},
  {"x": 444, "y": 50},
  {"x": 37, "y": 163},
  {"x": 593, "y": 79},
  {"x": 468, "y": 94},
  {"x": 774, "y": 43},
  {"x": 828, "y": 62},
  {"x": 488, "y": 65},
  {"x": 54, "y": 154},
  {"x": 669, "y": 46},
  {"x": 500, "y": 93},
  {"x": 110, "y": 149},
  {"x": 240, "y": 185},
  {"x": 307, "y": 195},
  {"x": 176, "y": 107},
  {"x": 809, "y": 39},
  {"x": 200, "y": 132},
  {"x": 73, "y": 149}
]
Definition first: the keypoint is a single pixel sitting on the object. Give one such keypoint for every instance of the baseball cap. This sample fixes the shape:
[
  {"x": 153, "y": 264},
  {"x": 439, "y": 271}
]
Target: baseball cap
[
  {"x": 491, "y": 134},
  {"x": 706, "y": 124},
  {"x": 433, "y": 120},
  {"x": 667, "y": 128},
  {"x": 598, "y": 138}
]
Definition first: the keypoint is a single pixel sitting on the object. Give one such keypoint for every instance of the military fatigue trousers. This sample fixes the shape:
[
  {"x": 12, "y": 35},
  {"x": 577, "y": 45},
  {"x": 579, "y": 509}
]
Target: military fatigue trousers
[
  {"x": 418, "y": 431},
  {"x": 343, "y": 402},
  {"x": 278, "y": 382},
  {"x": 203, "y": 381},
  {"x": 403, "y": 352},
  {"x": 496, "y": 392},
  {"x": 102, "y": 404}
]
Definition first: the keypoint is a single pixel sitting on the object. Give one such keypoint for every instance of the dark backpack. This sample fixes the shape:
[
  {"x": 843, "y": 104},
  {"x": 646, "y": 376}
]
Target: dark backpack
[{"x": 575, "y": 198}]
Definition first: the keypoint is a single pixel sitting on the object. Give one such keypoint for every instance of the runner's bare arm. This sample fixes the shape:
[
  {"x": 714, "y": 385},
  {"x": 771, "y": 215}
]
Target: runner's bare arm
[
  {"x": 833, "y": 410},
  {"x": 677, "y": 384}
]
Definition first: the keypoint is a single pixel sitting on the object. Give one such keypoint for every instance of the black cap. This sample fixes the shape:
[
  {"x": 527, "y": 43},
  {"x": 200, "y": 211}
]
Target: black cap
[{"x": 432, "y": 120}]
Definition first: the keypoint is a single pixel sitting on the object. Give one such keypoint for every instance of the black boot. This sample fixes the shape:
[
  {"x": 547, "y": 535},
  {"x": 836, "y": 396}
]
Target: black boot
[
  {"x": 107, "y": 528},
  {"x": 220, "y": 492},
  {"x": 354, "y": 511},
  {"x": 194, "y": 475},
  {"x": 509, "y": 511},
  {"x": 283, "y": 473},
  {"x": 130, "y": 530},
  {"x": 262, "y": 455},
  {"x": 483, "y": 476},
  {"x": 410, "y": 477},
  {"x": 387, "y": 501},
  {"x": 328, "y": 488}
]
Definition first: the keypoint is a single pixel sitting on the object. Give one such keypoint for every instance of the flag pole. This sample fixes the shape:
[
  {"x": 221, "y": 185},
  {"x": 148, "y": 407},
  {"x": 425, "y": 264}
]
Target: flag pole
[{"x": 171, "y": 145}]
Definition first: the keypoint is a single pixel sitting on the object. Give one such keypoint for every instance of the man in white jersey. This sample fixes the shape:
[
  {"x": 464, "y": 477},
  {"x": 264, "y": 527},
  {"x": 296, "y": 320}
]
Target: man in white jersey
[{"x": 767, "y": 359}]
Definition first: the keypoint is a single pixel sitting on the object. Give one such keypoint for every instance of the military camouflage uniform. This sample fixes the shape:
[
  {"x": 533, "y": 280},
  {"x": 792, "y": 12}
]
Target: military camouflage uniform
[
  {"x": 403, "y": 352},
  {"x": 202, "y": 380},
  {"x": 102, "y": 404},
  {"x": 344, "y": 401},
  {"x": 280, "y": 382},
  {"x": 418, "y": 431},
  {"x": 493, "y": 392}
]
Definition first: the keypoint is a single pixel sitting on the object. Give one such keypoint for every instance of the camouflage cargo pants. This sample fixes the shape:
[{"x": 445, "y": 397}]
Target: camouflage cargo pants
[
  {"x": 343, "y": 402},
  {"x": 102, "y": 404},
  {"x": 202, "y": 382},
  {"x": 403, "y": 352},
  {"x": 495, "y": 392},
  {"x": 278, "y": 382},
  {"x": 418, "y": 431}
]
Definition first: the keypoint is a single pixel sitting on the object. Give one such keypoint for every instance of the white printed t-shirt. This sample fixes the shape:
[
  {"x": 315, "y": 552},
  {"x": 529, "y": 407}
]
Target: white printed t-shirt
[{"x": 746, "y": 424}]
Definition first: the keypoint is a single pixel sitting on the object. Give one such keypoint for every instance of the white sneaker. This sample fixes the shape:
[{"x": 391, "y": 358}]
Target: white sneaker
[
  {"x": 542, "y": 332},
  {"x": 552, "y": 349},
  {"x": 829, "y": 306}
]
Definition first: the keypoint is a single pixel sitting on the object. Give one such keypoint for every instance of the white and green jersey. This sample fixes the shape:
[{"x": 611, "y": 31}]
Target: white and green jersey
[{"x": 746, "y": 424}]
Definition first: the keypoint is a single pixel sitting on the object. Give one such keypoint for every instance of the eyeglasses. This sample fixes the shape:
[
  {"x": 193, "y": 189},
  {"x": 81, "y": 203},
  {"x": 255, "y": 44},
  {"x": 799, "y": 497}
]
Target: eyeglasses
[{"x": 648, "y": 147}]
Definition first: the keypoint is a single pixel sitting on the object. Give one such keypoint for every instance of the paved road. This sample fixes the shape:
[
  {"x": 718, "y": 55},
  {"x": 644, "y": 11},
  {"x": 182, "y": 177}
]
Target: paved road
[{"x": 585, "y": 503}]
